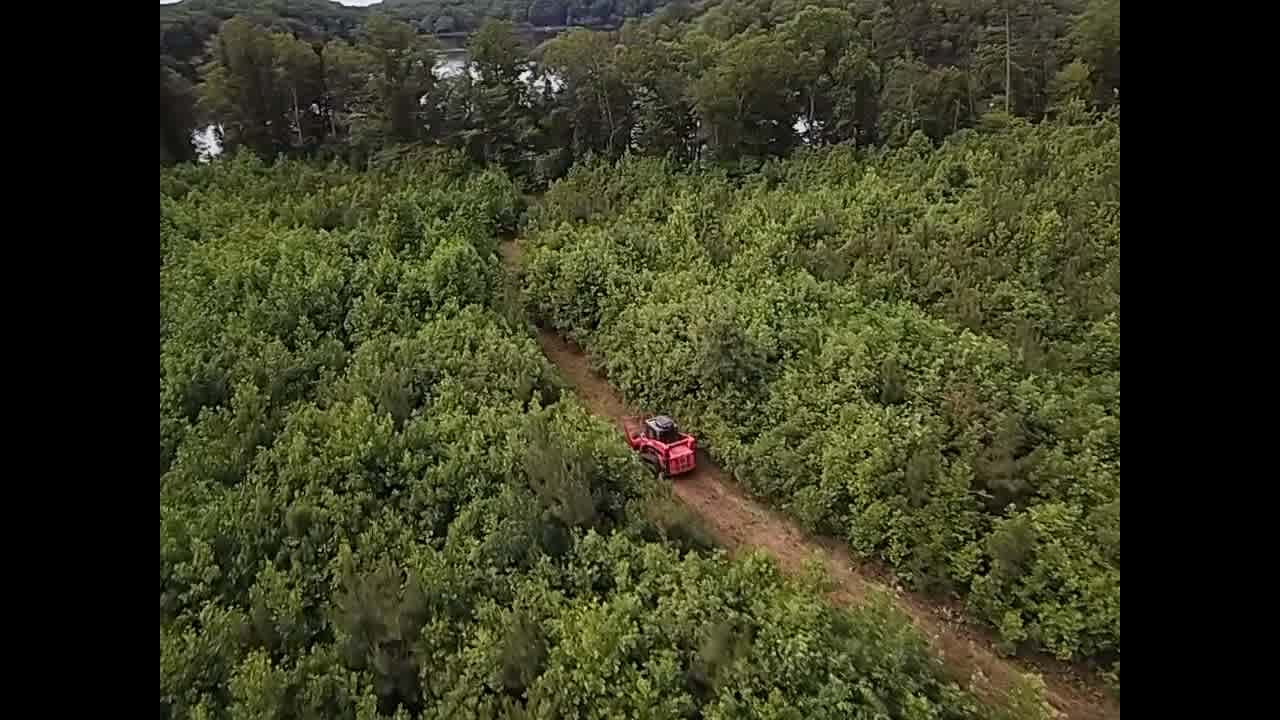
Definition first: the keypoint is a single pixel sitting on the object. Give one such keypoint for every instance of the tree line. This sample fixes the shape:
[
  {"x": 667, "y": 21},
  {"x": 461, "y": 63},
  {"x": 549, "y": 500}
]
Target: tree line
[
  {"x": 187, "y": 26},
  {"x": 731, "y": 83},
  {"x": 377, "y": 501}
]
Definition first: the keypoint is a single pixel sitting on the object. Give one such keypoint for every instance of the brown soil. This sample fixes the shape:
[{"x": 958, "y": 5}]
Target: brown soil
[{"x": 741, "y": 523}]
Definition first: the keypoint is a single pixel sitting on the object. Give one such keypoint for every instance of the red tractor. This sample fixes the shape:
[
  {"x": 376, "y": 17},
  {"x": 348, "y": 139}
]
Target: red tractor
[{"x": 660, "y": 444}]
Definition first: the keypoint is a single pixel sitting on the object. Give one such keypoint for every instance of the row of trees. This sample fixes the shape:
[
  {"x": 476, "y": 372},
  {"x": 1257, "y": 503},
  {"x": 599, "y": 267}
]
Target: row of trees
[
  {"x": 917, "y": 350},
  {"x": 735, "y": 83},
  {"x": 275, "y": 94},
  {"x": 749, "y": 80},
  {"x": 375, "y": 501},
  {"x": 187, "y": 26}
]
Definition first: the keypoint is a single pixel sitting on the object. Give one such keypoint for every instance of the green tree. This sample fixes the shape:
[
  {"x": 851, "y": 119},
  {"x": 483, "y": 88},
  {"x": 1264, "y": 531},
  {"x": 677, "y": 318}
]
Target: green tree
[
  {"x": 490, "y": 115},
  {"x": 241, "y": 91},
  {"x": 664, "y": 121},
  {"x": 594, "y": 91},
  {"x": 855, "y": 100},
  {"x": 818, "y": 38},
  {"x": 347, "y": 69},
  {"x": 745, "y": 103},
  {"x": 498, "y": 53},
  {"x": 1095, "y": 39},
  {"x": 915, "y": 97},
  {"x": 1073, "y": 83},
  {"x": 404, "y": 61}
]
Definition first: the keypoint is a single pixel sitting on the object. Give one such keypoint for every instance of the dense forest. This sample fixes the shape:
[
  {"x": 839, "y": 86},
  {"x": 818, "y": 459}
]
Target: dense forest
[
  {"x": 727, "y": 83},
  {"x": 867, "y": 251},
  {"x": 376, "y": 500},
  {"x": 916, "y": 350},
  {"x": 187, "y": 26}
]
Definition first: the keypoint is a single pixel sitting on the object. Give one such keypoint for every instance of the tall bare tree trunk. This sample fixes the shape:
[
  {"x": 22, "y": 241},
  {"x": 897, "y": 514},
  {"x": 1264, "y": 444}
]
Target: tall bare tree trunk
[{"x": 608, "y": 110}]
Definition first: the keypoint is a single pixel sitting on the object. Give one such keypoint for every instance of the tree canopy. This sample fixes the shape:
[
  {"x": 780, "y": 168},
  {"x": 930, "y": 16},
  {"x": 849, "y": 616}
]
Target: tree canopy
[
  {"x": 376, "y": 501},
  {"x": 867, "y": 251},
  {"x": 732, "y": 83},
  {"x": 916, "y": 350}
]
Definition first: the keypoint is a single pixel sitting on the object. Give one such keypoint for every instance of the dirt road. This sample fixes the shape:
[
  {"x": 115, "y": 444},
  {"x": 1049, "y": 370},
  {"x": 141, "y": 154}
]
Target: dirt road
[{"x": 739, "y": 522}]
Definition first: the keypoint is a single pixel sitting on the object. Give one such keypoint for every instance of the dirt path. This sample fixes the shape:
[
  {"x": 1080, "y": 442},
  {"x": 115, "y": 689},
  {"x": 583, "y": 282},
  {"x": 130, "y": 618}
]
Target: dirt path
[{"x": 740, "y": 522}]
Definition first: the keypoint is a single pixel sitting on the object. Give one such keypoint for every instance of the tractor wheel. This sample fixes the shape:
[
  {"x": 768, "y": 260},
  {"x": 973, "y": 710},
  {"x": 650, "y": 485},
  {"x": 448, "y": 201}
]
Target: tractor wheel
[{"x": 653, "y": 463}]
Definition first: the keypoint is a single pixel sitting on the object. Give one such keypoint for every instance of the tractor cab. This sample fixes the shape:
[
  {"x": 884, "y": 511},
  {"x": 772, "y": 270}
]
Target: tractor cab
[
  {"x": 660, "y": 443},
  {"x": 661, "y": 428}
]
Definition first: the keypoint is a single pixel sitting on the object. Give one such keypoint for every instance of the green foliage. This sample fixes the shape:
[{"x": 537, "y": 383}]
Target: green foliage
[
  {"x": 375, "y": 502},
  {"x": 241, "y": 90},
  {"x": 596, "y": 94},
  {"x": 744, "y": 100},
  {"x": 490, "y": 112},
  {"x": 186, "y": 26},
  {"x": 917, "y": 351},
  {"x": 1095, "y": 38},
  {"x": 405, "y": 63},
  {"x": 177, "y": 118},
  {"x": 731, "y": 83},
  {"x": 1072, "y": 83}
]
